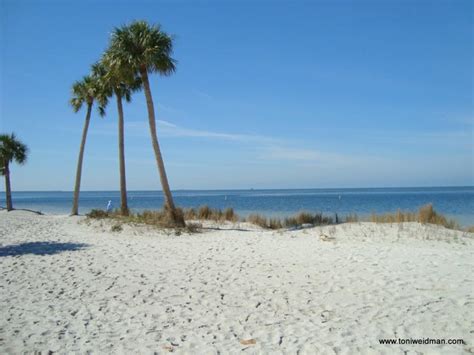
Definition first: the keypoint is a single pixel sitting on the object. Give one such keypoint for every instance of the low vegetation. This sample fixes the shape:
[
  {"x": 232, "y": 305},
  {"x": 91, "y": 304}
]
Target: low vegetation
[
  {"x": 162, "y": 218},
  {"x": 426, "y": 214},
  {"x": 298, "y": 220},
  {"x": 211, "y": 214}
]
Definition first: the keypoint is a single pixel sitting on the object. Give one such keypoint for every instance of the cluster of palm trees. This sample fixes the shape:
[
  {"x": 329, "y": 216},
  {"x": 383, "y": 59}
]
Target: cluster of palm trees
[{"x": 135, "y": 51}]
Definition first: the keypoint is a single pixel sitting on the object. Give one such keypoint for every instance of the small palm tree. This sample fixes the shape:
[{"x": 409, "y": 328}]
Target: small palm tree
[
  {"x": 121, "y": 85},
  {"x": 141, "y": 49},
  {"x": 11, "y": 150},
  {"x": 86, "y": 91}
]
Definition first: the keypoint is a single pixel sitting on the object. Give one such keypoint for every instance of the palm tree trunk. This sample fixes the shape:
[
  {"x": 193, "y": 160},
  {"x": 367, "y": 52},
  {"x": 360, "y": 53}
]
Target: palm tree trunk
[
  {"x": 121, "y": 143},
  {"x": 8, "y": 189},
  {"x": 77, "y": 186},
  {"x": 177, "y": 218}
]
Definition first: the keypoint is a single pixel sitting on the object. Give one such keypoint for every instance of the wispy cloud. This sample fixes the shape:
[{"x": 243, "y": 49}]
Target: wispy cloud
[
  {"x": 202, "y": 94},
  {"x": 272, "y": 150},
  {"x": 169, "y": 109},
  {"x": 169, "y": 129},
  {"x": 172, "y": 130}
]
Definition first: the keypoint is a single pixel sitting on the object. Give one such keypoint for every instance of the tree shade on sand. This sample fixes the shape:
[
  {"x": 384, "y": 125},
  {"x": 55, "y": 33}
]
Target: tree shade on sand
[
  {"x": 140, "y": 48},
  {"x": 11, "y": 150},
  {"x": 85, "y": 92}
]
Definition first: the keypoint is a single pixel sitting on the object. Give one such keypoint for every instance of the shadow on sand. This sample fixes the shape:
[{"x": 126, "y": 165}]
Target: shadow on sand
[{"x": 40, "y": 248}]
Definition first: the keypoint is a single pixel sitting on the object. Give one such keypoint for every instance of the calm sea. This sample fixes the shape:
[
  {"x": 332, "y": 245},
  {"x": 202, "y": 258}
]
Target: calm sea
[{"x": 455, "y": 202}]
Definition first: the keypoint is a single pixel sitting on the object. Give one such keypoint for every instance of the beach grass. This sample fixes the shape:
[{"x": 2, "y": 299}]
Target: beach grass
[
  {"x": 162, "y": 219},
  {"x": 426, "y": 214}
]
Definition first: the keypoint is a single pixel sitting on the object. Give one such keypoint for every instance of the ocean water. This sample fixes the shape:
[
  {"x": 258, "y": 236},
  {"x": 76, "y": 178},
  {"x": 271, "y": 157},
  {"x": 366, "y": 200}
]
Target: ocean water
[{"x": 455, "y": 202}]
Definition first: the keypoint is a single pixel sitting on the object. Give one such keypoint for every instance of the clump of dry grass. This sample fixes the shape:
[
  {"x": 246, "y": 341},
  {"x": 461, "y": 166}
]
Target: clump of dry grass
[
  {"x": 317, "y": 219},
  {"x": 289, "y": 222},
  {"x": 230, "y": 215},
  {"x": 205, "y": 212},
  {"x": 258, "y": 220},
  {"x": 426, "y": 214},
  {"x": 98, "y": 214},
  {"x": 470, "y": 229},
  {"x": 274, "y": 223},
  {"x": 161, "y": 218},
  {"x": 397, "y": 217},
  {"x": 211, "y": 214},
  {"x": 164, "y": 219}
]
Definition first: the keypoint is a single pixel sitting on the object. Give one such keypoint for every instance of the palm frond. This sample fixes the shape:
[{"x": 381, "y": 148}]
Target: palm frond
[
  {"x": 139, "y": 46},
  {"x": 12, "y": 149},
  {"x": 94, "y": 87}
]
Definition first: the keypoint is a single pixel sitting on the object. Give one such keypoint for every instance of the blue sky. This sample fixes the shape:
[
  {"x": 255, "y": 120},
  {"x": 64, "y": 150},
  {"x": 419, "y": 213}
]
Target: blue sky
[{"x": 268, "y": 94}]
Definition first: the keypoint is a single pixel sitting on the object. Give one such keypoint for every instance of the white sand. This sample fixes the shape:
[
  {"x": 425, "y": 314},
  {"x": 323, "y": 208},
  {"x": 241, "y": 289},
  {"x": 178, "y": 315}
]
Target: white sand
[{"x": 142, "y": 291}]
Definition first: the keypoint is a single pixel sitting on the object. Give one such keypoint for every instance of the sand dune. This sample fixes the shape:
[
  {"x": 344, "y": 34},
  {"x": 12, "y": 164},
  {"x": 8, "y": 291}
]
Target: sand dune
[{"x": 72, "y": 286}]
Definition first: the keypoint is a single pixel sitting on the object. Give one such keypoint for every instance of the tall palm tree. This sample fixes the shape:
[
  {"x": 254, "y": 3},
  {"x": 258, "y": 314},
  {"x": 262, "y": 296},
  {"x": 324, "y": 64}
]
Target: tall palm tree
[
  {"x": 11, "y": 150},
  {"x": 85, "y": 91},
  {"x": 142, "y": 49},
  {"x": 121, "y": 85}
]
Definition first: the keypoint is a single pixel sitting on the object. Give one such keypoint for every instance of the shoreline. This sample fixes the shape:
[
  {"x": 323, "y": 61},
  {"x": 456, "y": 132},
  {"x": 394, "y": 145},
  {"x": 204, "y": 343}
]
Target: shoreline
[
  {"x": 461, "y": 223},
  {"x": 453, "y": 202}
]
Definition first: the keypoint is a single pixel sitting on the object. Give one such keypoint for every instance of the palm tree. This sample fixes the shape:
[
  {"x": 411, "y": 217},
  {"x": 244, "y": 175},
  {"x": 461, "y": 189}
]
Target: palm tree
[
  {"x": 11, "y": 150},
  {"x": 122, "y": 86},
  {"x": 85, "y": 91},
  {"x": 141, "y": 49}
]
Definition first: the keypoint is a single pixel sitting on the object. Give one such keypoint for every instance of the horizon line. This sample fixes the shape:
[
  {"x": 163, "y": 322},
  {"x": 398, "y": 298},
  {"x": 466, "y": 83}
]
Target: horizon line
[{"x": 260, "y": 189}]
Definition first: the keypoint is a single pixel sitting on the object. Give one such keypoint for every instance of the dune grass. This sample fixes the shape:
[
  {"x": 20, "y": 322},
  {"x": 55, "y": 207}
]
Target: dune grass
[
  {"x": 426, "y": 214},
  {"x": 290, "y": 222},
  {"x": 161, "y": 218},
  {"x": 212, "y": 214}
]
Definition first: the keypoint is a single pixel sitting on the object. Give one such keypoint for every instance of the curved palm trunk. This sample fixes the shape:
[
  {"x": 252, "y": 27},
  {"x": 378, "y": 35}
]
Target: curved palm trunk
[
  {"x": 8, "y": 190},
  {"x": 177, "y": 218},
  {"x": 121, "y": 143},
  {"x": 77, "y": 186}
]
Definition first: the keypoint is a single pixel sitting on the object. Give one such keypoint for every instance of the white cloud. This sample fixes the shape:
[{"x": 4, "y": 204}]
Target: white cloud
[{"x": 170, "y": 129}]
